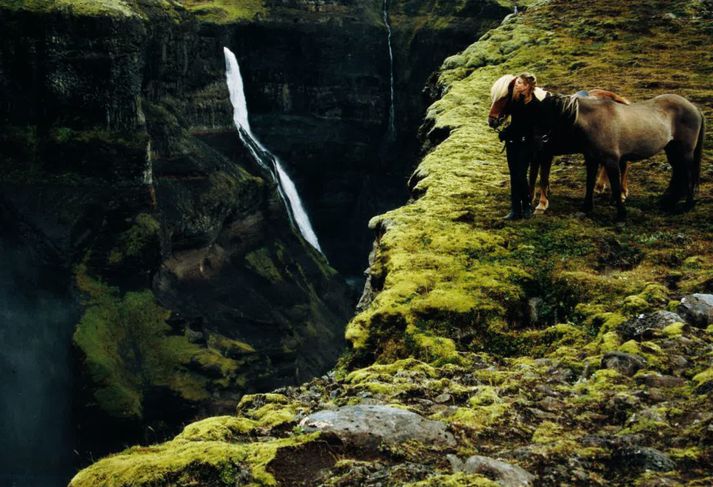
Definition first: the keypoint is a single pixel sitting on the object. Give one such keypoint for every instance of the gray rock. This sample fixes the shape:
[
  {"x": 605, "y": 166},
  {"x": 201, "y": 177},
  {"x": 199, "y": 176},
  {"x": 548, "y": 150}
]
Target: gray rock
[
  {"x": 661, "y": 381},
  {"x": 504, "y": 473},
  {"x": 644, "y": 458},
  {"x": 645, "y": 325},
  {"x": 624, "y": 363},
  {"x": 697, "y": 309},
  {"x": 370, "y": 425}
]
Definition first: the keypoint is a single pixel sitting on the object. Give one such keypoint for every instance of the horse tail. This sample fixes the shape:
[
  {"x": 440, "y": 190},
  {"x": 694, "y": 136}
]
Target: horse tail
[{"x": 698, "y": 152}]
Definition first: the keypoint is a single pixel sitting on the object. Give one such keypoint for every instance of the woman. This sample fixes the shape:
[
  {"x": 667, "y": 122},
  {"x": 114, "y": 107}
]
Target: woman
[{"x": 520, "y": 146}]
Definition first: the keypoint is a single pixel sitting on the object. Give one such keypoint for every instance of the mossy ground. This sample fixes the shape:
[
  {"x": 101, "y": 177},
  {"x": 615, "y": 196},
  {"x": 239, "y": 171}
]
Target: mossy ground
[{"x": 450, "y": 334}]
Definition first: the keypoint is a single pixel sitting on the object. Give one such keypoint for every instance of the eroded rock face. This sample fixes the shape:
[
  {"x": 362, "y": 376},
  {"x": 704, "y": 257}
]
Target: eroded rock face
[{"x": 370, "y": 425}]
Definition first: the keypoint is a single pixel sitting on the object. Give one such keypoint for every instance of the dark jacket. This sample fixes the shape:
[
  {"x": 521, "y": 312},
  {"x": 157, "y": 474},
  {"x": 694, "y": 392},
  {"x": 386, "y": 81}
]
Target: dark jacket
[{"x": 523, "y": 119}]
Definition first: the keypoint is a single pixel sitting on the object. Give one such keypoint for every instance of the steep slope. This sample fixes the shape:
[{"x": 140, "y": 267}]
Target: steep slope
[{"x": 540, "y": 342}]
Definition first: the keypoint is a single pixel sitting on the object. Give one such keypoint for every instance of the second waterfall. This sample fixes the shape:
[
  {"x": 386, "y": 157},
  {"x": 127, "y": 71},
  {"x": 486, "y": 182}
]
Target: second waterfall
[
  {"x": 266, "y": 159},
  {"x": 392, "y": 101}
]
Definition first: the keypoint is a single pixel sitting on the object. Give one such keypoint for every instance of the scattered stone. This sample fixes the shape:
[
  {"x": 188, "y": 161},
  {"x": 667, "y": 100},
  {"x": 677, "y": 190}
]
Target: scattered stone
[
  {"x": 643, "y": 458},
  {"x": 370, "y": 425},
  {"x": 624, "y": 363},
  {"x": 697, "y": 309},
  {"x": 551, "y": 404},
  {"x": 504, "y": 473},
  {"x": 445, "y": 397},
  {"x": 646, "y": 325},
  {"x": 659, "y": 381}
]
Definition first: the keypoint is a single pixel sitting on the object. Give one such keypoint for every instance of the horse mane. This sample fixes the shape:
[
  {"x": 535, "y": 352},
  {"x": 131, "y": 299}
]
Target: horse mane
[
  {"x": 501, "y": 87},
  {"x": 540, "y": 94},
  {"x": 564, "y": 108}
]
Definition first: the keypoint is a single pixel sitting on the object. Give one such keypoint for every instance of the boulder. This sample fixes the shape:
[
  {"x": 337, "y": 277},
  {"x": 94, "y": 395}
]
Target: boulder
[
  {"x": 504, "y": 473},
  {"x": 697, "y": 309},
  {"x": 368, "y": 426},
  {"x": 624, "y": 363},
  {"x": 645, "y": 325},
  {"x": 643, "y": 458}
]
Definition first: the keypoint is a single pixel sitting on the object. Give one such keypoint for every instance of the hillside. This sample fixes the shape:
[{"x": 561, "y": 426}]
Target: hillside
[{"x": 542, "y": 343}]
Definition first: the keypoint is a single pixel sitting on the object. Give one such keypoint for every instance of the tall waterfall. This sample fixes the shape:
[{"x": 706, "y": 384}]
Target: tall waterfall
[
  {"x": 392, "y": 108},
  {"x": 266, "y": 159}
]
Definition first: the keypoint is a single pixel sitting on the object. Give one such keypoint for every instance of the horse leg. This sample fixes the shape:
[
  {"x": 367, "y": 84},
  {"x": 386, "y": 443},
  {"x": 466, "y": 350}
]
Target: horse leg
[
  {"x": 624, "y": 166},
  {"x": 602, "y": 181},
  {"x": 612, "y": 166},
  {"x": 534, "y": 169},
  {"x": 592, "y": 167},
  {"x": 678, "y": 184},
  {"x": 545, "y": 166}
]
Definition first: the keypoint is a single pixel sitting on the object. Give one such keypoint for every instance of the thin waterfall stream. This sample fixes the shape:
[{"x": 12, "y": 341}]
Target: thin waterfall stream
[
  {"x": 392, "y": 107},
  {"x": 266, "y": 159}
]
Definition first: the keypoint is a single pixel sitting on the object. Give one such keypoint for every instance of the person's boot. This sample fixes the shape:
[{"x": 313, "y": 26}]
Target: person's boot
[
  {"x": 513, "y": 215},
  {"x": 526, "y": 210}
]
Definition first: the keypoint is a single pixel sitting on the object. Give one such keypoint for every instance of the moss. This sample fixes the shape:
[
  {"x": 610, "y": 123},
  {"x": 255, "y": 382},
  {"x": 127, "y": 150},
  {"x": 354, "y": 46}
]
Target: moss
[
  {"x": 226, "y": 11},
  {"x": 703, "y": 377},
  {"x": 187, "y": 462},
  {"x": 486, "y": 408},
  {"x": 118, "y": 8},
  {"x": 653, "y": 296},
  {"x": 268, "y": 410},
  {"x": 674, "y": 330},
  {"x": 602, "y": 385},
  {"x": 128, "y": 347},
  {"x": 136, "y": 240},
  {"x": 221, "y": 428},
  {"x": 261, "y": 262}
]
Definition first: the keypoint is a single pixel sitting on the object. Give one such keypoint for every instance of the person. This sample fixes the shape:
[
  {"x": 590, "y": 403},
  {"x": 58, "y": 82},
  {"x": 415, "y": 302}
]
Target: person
[{"x": 520, "y": 144}]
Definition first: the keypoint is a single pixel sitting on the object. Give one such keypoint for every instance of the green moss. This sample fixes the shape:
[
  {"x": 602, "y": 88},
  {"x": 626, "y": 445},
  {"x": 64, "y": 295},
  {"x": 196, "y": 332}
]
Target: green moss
[
  {"x": 221, "y": 428},
  {"x": 703, "y": 377},
  {"x": 128, "y": 347},
  {"x": 187, "y": 462},
  {"x": 261, "y": 262},
  {"x": 119, "y": 8},
  {"x": 135, "y": 241},
  {"x": 674, "y": 330},
  {"x": 226, "y": 11},
  {"x": 486, "y": 408}
]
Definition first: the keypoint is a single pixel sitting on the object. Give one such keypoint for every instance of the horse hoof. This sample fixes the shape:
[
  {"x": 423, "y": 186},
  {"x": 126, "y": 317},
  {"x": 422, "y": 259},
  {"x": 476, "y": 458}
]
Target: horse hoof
[{"x": 539, "y": 211}]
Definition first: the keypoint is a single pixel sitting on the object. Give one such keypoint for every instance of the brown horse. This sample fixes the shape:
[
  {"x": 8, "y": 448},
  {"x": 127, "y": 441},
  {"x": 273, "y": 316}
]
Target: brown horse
[
  {"x": 502, "y": 92},
  {"x": 614, "y": 133}
]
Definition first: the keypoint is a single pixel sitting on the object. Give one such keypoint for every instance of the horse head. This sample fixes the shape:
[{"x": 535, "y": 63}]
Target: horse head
[{"x": 501, "y": 96}]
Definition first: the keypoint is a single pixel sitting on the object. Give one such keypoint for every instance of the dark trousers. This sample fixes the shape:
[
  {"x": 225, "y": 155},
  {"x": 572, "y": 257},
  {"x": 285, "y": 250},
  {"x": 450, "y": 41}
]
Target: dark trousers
[{"x": 519, "y": 155}]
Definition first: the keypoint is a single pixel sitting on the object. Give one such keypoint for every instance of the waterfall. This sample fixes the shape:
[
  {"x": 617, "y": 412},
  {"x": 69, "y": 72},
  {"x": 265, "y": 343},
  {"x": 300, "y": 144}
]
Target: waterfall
[
  {"x": 392, "y": 108},
  {"x": 266, "y": 159}
]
